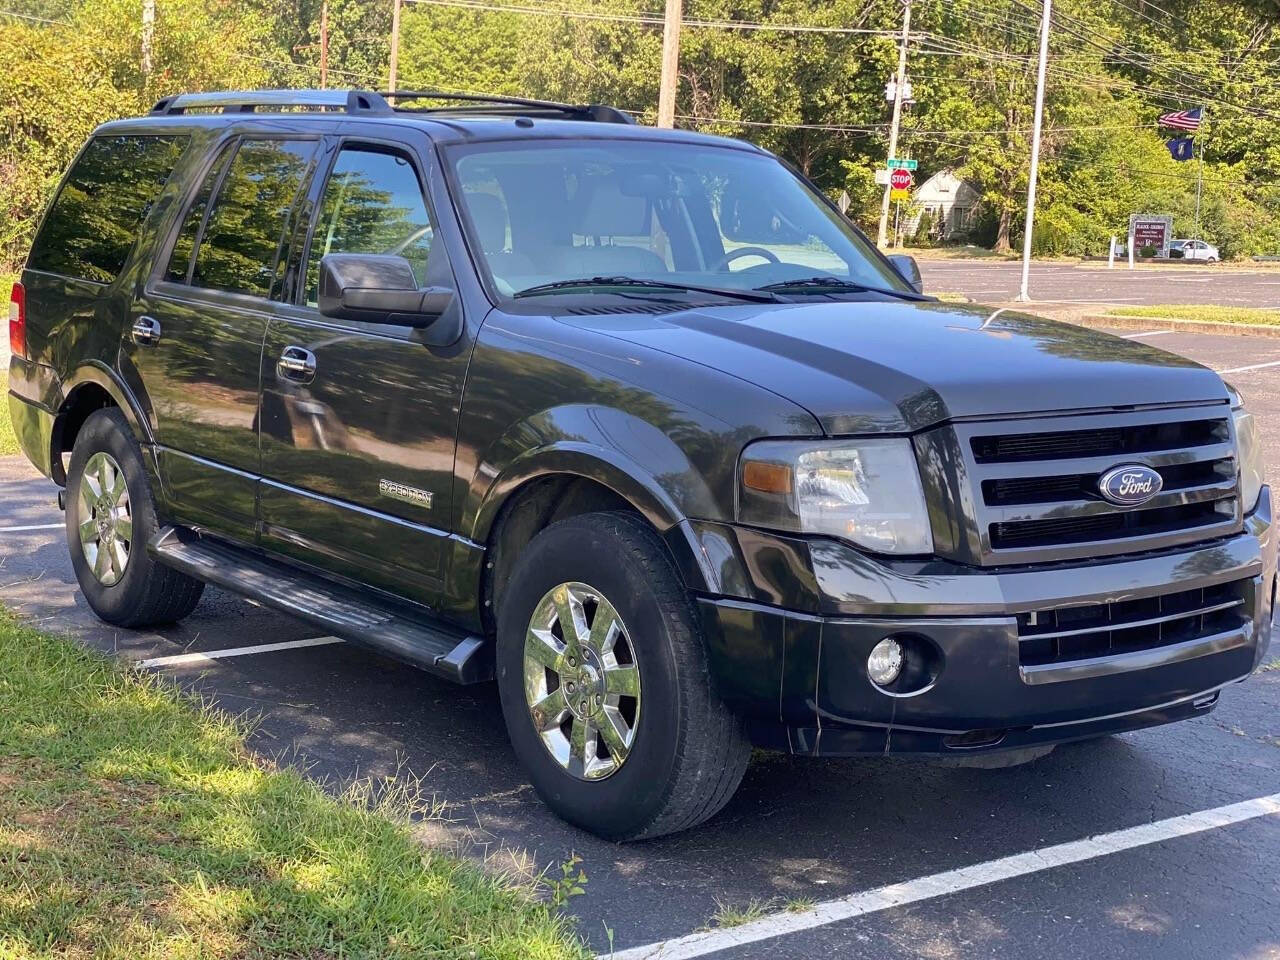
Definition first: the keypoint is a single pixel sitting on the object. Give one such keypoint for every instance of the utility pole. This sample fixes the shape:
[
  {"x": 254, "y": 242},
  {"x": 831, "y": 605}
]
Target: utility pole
[
  {"x": 882, "y": 235},
  {"x": 324, "y": 45},
  {"x": 395, "y": 43},
  {"x": 148, "y": 36},
  {"x": 670, "y": 64},
  {"x": 1024, "y": 294}
]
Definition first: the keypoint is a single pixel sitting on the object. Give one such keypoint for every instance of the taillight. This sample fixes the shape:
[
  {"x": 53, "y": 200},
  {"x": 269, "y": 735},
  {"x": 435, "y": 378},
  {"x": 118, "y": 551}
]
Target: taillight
[{"x": 18, "y": 321}]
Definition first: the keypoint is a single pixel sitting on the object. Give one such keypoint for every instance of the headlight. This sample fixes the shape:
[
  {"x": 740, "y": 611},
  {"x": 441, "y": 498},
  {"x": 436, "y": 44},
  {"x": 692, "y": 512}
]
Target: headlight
[
  {"x": 865, "y": 491},
  {"x": 1249, "y": 448}
]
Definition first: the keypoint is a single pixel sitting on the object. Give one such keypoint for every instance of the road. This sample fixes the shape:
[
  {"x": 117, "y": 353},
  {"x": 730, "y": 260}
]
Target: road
[
  {"x": 995, "y": 281},
  {"x": 798, "y": 830}
]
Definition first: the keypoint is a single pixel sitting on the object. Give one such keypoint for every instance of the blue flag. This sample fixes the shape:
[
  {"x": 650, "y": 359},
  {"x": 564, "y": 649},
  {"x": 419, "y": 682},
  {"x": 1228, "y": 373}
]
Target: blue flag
[{"x": 1181, "y": 148}]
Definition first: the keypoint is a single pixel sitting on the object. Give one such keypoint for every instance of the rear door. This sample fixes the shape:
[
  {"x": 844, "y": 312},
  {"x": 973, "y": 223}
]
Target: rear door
[
  {"x": 359, "y": 420},
  {"x": 198, "y": 328}
]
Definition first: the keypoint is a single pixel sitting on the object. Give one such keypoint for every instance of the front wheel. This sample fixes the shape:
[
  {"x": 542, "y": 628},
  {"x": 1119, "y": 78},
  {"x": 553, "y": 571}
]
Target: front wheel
[{"x": 605, "y": 686}]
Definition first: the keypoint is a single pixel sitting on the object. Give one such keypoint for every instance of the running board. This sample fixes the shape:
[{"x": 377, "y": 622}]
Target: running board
[{"x": 342, "y": 611}]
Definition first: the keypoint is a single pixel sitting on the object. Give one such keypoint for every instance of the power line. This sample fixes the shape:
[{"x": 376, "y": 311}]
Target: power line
[
  {"x": 653, "y": 20},
  {"x": 1196, "y": 94},
  {"x": 27, "y": 16}
]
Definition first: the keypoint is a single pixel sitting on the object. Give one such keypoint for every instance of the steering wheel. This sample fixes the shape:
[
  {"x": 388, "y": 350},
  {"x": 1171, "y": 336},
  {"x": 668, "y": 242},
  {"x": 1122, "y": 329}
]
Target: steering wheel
[{"x": 733, "y": 255}]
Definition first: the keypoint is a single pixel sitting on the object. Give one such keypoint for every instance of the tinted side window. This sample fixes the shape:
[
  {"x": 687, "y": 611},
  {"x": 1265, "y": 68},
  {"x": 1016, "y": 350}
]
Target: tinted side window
[
  {"x": 372, "y": 203},
  {"x": 179, "y": 268},
  {"x": 238, "y": 250},
  {"x": 94, "y": 221}
]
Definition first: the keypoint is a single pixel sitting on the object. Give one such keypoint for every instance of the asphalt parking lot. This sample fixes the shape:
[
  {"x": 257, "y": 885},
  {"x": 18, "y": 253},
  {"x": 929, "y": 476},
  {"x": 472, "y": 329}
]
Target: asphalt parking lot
[
  {"x": 800, "y": 833},
  {"x": 995, "y": 281}
]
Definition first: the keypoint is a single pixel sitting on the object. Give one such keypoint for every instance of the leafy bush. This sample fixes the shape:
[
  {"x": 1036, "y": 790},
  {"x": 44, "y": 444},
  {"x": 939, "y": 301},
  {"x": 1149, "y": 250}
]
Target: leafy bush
[{"x": 924, "y": 230}]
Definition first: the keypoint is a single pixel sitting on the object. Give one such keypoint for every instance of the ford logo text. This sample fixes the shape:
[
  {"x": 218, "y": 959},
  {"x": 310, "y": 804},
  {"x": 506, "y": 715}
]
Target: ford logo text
[{"x": 1130, "y": 485}]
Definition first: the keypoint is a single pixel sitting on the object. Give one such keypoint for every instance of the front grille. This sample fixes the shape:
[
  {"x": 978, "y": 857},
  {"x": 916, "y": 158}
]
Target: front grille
[
  {"x": 1084, "y": 486},
  {"x": 1109, "y": 526},
  {"x": 1129, "y": 626},
  {"x": 1111, "y": 441},
  {"x": 1036, "y": 493}
]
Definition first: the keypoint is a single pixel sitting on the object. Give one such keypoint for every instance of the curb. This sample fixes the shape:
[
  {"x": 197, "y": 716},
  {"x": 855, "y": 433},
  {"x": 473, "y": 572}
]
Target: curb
[{"x": 1187, "y": 326}]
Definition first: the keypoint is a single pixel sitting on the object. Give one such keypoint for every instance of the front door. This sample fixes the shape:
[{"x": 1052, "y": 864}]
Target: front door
[
  {"x": 359, "y": 420},
  {"x": 197, "y": 330}
]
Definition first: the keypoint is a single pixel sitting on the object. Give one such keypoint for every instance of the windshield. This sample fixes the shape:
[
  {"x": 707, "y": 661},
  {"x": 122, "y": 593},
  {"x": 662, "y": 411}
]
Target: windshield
[{"x": 715, "y": 217}]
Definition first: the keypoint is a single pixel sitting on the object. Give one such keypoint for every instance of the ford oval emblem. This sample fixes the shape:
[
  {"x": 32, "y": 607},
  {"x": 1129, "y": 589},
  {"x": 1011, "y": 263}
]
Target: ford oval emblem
[{"x": 1130, "y": 485}]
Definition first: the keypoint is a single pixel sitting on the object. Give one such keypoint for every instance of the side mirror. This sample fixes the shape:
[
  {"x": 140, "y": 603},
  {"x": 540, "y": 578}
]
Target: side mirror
[
  {"x": 377, "y": 288},
  {"x": 908, "y": 269}
]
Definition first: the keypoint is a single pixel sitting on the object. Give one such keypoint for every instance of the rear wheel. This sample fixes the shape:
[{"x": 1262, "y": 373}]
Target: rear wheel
[
  {"x": 110, "y": 518},
  {"x": 605, "y": 686}
]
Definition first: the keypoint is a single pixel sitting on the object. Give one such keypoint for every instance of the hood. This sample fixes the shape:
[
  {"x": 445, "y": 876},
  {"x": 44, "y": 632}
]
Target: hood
[{"x": 876, "y": 367}]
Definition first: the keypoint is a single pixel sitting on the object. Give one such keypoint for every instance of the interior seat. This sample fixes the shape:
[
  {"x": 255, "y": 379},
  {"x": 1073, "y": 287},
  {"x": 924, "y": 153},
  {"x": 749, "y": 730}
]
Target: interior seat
[{"x": 511, "y": 270}]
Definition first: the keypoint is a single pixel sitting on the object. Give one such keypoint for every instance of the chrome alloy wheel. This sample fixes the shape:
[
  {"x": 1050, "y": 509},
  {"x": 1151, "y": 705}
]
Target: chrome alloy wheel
[
  {"x": 581, "y": 681},
  {"x": 106, "y": 520}
]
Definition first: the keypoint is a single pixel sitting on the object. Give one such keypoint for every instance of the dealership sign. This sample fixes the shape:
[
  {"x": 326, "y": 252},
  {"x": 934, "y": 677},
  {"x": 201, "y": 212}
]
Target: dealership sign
[{"x": 1150, "y": 230}]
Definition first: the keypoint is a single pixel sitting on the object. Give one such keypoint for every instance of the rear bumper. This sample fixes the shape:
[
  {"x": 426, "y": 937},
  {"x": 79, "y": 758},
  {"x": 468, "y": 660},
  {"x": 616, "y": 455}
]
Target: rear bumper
[
  {"x": 33, "y": 426},
  {"x": 798, "y": 677}
]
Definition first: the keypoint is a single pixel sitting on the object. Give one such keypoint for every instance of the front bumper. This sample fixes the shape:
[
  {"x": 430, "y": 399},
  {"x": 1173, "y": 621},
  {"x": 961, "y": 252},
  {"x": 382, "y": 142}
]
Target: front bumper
[{"x": 798, "y": 678}]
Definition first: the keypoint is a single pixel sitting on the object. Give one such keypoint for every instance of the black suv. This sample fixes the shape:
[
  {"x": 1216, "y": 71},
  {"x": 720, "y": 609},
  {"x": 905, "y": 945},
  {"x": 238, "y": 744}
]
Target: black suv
[{"x": 632, "y": 420}]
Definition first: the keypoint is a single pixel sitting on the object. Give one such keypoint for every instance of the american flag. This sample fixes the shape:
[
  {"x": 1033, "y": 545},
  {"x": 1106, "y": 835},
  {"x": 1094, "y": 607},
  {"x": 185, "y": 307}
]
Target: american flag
[{"x": 1183, "y": 119}]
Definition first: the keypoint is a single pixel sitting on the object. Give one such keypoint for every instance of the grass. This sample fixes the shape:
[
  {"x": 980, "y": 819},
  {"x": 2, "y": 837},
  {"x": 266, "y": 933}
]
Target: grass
[
  {"x": 958, "y": 252},
  {"x": 1202, "y": 313},
  {"x": 8, "y": 442},
  {"x": 135, "y": 824},
  {"x": 731, "y": 915}
]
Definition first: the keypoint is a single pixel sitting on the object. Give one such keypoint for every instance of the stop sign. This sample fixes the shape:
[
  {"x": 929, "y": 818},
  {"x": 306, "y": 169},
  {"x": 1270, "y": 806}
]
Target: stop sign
[{"x": 900, "y": 179}]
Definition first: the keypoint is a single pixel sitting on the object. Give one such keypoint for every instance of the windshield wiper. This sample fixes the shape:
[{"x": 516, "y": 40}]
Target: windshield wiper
[
  {"x": 754, "y": 296},
  {"x": 818, "y": 285}
]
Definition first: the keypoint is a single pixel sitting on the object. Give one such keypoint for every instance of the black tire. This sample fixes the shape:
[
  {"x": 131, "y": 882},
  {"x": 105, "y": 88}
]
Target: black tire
[
  {"x": 145, "y": 593},
  {"x": 689, "y": 752}
]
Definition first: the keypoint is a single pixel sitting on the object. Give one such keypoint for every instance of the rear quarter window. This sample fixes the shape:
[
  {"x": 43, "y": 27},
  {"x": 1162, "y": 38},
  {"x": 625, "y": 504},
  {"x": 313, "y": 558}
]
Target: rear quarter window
[{"x": 95, "y": 218}]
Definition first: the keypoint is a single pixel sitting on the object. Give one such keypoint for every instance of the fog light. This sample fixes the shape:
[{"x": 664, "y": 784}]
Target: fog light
[{"x": 885, "y": 662}]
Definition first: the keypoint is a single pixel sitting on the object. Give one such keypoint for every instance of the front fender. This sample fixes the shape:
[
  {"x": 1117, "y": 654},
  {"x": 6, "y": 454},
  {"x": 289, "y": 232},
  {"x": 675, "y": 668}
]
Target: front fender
[{"x": 631, "y": 457}]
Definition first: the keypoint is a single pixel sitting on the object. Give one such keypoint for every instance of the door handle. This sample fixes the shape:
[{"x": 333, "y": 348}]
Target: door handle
[
  {"x": 146, "y": 331},
  {"x": 296, "y": 364}
]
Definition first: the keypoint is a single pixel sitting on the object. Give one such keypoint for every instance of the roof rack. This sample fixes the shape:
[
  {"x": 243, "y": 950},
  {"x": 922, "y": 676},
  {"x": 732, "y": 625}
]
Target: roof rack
[
  {"x": 599, "y": 112},
  {"x": 247, "y": 101},
  {"x": 369, "y": 102}
]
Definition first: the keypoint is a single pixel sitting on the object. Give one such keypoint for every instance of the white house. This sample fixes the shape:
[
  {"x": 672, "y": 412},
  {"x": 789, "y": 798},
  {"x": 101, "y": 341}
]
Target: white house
[{"x": 952, "y": 201}]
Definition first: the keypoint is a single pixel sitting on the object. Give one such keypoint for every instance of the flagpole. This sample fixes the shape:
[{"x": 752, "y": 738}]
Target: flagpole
[{"x": 1199, "y": 190}]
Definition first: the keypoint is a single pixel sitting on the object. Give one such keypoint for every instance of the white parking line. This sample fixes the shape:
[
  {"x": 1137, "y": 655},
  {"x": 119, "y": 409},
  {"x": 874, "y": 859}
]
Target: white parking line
[
  {"x": 1149, "y": 333},
  {"x": 38, "y": 526},
  {"x": 1254, "y": 366},
  {"x": 1098, "y": 300},
  {"x": 952, "y": 881},
  {"x": 183, "y": 659}
]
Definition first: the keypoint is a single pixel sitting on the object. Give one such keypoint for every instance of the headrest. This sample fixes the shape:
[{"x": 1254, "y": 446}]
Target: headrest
[
  {"x": 489, "y": 214},
  {"x": 607, "y": 212}
]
